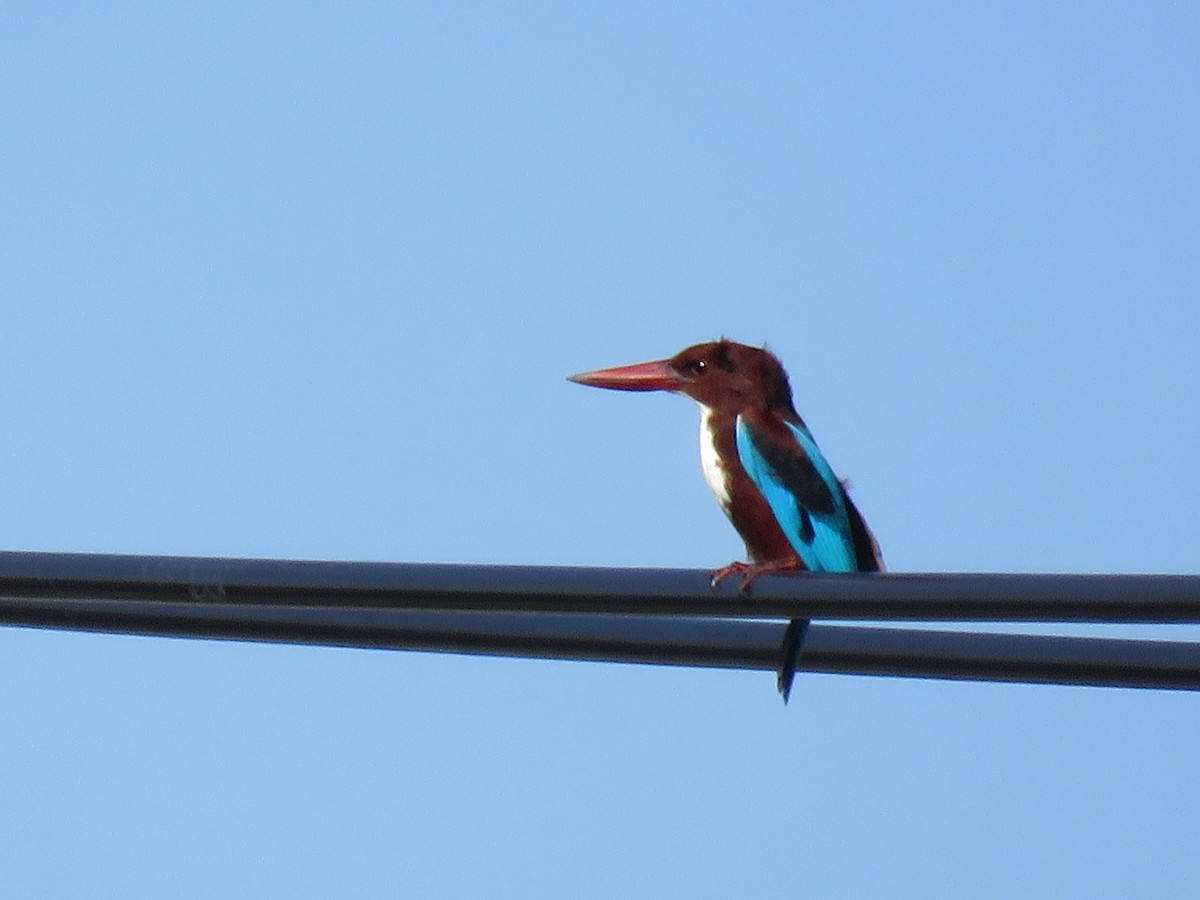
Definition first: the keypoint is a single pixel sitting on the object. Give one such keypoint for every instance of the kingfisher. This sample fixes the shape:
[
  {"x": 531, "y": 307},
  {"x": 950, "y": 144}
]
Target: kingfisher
[{"x": 763, "y": 465}]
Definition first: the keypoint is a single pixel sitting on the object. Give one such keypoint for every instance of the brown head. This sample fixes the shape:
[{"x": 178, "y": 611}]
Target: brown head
[{"x": 723, "y": 375}]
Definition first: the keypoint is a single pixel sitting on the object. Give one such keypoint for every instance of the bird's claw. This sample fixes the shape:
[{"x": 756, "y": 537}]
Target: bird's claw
[
  {"x": 734, "y": 568},
  {"x": 751, "y": 571}
]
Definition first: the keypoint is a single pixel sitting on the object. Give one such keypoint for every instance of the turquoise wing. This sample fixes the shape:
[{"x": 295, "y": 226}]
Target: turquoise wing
[{"x": 806, "y": 497}]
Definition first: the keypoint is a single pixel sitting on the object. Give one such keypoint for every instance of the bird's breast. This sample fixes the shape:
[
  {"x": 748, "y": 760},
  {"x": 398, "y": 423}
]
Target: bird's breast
[{"x": 737, "y": 495}]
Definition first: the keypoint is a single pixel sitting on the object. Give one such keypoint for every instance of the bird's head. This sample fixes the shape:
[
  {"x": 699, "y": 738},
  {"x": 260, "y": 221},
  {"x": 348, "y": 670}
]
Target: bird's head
[{"x": 722, "y": 375}]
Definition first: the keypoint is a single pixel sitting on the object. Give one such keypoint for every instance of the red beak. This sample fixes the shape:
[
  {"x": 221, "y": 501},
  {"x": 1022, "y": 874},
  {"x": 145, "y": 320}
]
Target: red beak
[{"x": 647, "y": 376}]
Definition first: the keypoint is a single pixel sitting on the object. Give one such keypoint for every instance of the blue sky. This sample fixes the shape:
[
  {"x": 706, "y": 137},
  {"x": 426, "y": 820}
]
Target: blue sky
[{"x": 305, "y": 280}]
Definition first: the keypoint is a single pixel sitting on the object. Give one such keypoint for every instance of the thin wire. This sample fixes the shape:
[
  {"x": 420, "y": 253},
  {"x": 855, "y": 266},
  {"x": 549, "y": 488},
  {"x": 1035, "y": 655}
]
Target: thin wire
[{"x": 661, "y": 640}]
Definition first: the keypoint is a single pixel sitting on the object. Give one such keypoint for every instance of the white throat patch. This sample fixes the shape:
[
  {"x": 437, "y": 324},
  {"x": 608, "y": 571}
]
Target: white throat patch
[{"x": 714, "y": 471}]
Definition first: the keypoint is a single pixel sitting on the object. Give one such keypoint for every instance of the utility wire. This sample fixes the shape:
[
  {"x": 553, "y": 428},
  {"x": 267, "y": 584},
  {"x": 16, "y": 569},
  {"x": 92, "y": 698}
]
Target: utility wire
[
  {"x": 662, "y": 616},
  {"x": 960, "y": 597}
]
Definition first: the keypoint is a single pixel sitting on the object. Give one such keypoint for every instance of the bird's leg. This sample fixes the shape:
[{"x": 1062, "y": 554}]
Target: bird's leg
[{"x": 751, "y": 571}]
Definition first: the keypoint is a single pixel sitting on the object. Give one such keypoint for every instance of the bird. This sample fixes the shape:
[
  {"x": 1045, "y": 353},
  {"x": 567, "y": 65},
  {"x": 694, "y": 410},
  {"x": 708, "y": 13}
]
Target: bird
[{"x": 764, "y": 467}]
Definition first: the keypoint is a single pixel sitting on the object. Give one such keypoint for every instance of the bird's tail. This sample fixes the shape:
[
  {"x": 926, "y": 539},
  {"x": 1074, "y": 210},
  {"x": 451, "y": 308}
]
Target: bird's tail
[{"x": 789, "y": 655}]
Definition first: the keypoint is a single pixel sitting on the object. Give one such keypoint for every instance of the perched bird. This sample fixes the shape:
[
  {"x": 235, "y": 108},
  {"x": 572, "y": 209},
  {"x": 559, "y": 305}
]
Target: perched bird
[{"x": 763, "y": 466}]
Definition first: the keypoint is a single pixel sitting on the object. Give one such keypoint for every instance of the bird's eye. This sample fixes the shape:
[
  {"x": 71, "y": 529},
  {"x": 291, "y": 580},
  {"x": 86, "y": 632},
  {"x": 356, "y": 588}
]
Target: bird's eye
[{"x": 697, "y": 368}]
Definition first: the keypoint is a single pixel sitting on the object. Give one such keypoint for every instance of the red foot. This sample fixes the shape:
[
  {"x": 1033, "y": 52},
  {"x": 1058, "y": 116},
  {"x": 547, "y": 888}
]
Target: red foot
[
  {"x": 751, "y": 571},
  {"x": 724, "y": 572}
]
